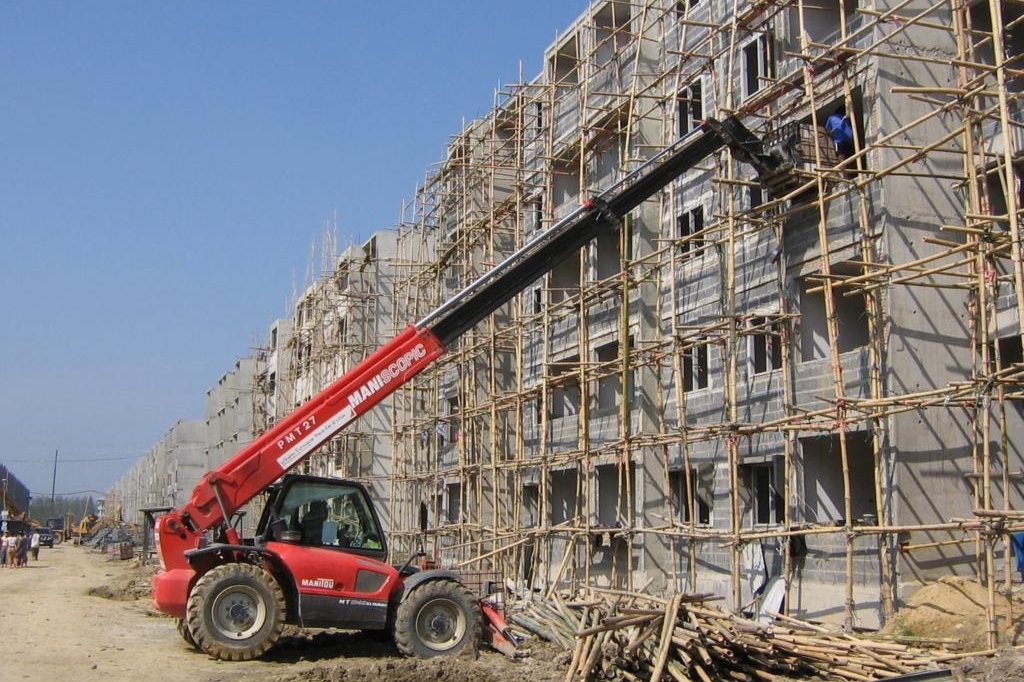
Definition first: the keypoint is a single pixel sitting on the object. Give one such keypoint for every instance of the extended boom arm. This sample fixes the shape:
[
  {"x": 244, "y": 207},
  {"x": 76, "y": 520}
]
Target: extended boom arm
[{"x": 222, "y": 491}]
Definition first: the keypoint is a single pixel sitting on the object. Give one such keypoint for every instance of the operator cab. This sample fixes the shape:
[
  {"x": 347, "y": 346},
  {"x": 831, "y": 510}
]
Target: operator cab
[{"x": 323, "y": 512}]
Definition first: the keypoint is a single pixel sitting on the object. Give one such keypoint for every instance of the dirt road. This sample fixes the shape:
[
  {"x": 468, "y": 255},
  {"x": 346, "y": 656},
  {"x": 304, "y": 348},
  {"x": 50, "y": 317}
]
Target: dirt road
[{"x": 76, "y": 615}]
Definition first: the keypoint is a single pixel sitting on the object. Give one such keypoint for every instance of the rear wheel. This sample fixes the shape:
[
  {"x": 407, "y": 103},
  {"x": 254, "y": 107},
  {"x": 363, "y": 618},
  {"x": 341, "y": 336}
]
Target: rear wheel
[
  {"x": 437, "y": 618},
  {"x": 236, "y": 612}
]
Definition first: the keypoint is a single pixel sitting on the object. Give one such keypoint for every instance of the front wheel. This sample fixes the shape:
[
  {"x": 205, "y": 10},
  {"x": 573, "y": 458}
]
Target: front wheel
[
  {"x": 437, "y": 618},
  {"x": 185, "y": 634},
  {"x": 236, "y": 612}
]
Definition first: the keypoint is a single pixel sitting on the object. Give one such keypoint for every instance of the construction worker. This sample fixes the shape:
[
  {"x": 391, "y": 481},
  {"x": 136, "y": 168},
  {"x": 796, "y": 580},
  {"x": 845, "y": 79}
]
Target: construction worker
[
  {"x": 1017, "y": 543},
  {"x": 313, "y": 522},
  {"x": 841, "y": 130}
]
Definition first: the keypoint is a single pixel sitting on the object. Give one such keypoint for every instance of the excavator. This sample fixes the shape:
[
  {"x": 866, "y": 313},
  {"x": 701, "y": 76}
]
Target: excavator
[{"x": 319, "y": 557}]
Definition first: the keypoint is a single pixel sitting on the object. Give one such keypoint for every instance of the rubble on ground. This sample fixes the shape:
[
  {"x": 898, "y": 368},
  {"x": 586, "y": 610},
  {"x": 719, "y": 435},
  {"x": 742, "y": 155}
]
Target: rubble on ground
[{"x": 622, "y": 636}]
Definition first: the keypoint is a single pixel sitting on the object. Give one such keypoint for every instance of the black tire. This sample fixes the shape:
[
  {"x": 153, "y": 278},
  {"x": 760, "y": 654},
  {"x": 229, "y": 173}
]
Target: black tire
[
  {"x": 437, "y": 618},
  {"x": 236, "y": 612},
  {"x": 186, "y": 634}
]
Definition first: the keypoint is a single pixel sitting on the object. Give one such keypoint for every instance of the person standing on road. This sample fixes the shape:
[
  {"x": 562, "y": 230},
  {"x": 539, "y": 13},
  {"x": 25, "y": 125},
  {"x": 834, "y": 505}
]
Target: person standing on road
[
  {"x": 11, "y": 550},
  {"x": 34, "y": 546},
  {"x": 22, "y": 549},
  {"x": 3, "y": 549}
]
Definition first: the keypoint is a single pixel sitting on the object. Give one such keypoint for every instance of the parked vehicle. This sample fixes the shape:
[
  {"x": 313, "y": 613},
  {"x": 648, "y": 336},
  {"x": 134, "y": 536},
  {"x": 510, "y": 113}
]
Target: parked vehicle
[
  {"x": 45, "y": 536},
  {"x": 56, "y": 525}
]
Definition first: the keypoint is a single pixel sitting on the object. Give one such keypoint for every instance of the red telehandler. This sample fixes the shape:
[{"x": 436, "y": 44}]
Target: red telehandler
[{"x": 319, "y": 556}]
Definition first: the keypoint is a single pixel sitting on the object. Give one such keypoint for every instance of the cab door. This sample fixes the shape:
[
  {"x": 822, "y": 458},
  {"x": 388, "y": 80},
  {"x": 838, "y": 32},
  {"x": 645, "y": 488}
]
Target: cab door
[{"x": 328, "y": 536}]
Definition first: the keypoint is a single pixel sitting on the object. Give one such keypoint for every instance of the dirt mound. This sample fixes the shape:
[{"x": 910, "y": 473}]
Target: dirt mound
[
  {"x": 956, "y": 609},
  {"x": 131, "y": 582},
  {"x": 409, "y": 670},
  {"x": 1006, "y": 665},
  {"x": 362, "y": 657}
]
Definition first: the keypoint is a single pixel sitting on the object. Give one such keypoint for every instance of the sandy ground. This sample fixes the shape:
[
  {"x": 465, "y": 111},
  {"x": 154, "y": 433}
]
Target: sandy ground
[{"x": 78, "y": 616}]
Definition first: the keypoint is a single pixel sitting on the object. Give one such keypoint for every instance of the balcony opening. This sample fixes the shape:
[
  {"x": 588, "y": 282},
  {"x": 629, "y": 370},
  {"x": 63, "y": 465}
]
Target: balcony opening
[
  {"x": 565, "y": 394},
  {"x": 614, "y": 506},
  {"x": 609, "y": 371},
  {"x": 821, "y": 20},
  {"x": 980, "y": 35},
  {"x": 850, "y": 310},
  {"x": 755, "y": 194},
  {"x": 564, "y": 495},
  {"x": 564, "y": 280},
  {"x": 611, "y": 30},
  {"x": 693, "y": 498},
  {"x": 840, "y": 130},
  {"x": 531, "y": 506},
  {"x": 565, "y": 186},
  {"x": 603, "y": 162},
  {"x": 824, "y": 491},
  {"x": 608, "y": 255},
  {"x": 995, "y": 190},
  {"x": 564, "y": 65}
]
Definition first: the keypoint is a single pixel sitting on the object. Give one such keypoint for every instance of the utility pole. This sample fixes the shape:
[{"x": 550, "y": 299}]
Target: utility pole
[{"x": 53, "y": 486}]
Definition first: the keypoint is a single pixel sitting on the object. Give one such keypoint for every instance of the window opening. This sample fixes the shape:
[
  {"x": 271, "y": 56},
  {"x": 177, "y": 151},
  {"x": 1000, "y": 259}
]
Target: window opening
[
  {"x": 756, "y": 64},
  {"x": 690, "y": 230},
  {"x": 765, "y": 344},
  {"x": 695, "y": 367},
  {"x": 764, "y": 494},
  {"x": 691, "y": 108}
]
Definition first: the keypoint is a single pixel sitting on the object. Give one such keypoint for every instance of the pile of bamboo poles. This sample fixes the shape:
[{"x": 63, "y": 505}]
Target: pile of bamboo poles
[{"x": 637, "y": 637}]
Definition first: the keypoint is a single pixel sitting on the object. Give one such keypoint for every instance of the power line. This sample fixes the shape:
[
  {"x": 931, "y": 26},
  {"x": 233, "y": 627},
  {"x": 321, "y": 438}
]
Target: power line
[
  {"x": 77, "y": 492},
  {"x": 71, "y": 461}
]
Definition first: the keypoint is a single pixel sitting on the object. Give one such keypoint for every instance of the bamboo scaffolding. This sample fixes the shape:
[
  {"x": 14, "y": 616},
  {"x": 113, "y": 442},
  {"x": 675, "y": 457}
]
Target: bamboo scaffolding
[{"x": 570, "y": 478}]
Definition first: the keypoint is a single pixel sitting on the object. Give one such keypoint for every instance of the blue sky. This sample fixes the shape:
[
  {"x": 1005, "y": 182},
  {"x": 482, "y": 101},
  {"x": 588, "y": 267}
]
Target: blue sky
[{"x": 165, "y": 169}]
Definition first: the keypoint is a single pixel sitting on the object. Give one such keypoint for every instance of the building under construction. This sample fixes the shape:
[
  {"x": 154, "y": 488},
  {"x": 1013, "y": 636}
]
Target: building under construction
[{"x": 807, "y": 390}]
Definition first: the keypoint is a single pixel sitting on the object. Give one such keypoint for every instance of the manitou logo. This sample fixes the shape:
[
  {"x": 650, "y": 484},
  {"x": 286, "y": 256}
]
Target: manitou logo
[
  {"x": 325, "y": 583},
  {"x": 384, "y": 377}
]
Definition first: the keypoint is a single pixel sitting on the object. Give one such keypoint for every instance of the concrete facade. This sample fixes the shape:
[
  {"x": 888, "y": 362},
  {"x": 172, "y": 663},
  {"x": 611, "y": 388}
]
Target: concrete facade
[{"x": 808, "y": 384}]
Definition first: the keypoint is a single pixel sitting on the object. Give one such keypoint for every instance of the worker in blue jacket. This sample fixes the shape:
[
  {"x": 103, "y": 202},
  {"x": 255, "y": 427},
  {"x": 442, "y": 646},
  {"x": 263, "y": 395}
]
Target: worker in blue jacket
[
  {"x": 841, "y": 130},
  {"x": 1017, "y": 542}
]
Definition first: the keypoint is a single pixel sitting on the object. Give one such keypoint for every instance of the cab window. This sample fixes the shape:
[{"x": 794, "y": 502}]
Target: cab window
[{"x": 330, "y": 515}]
